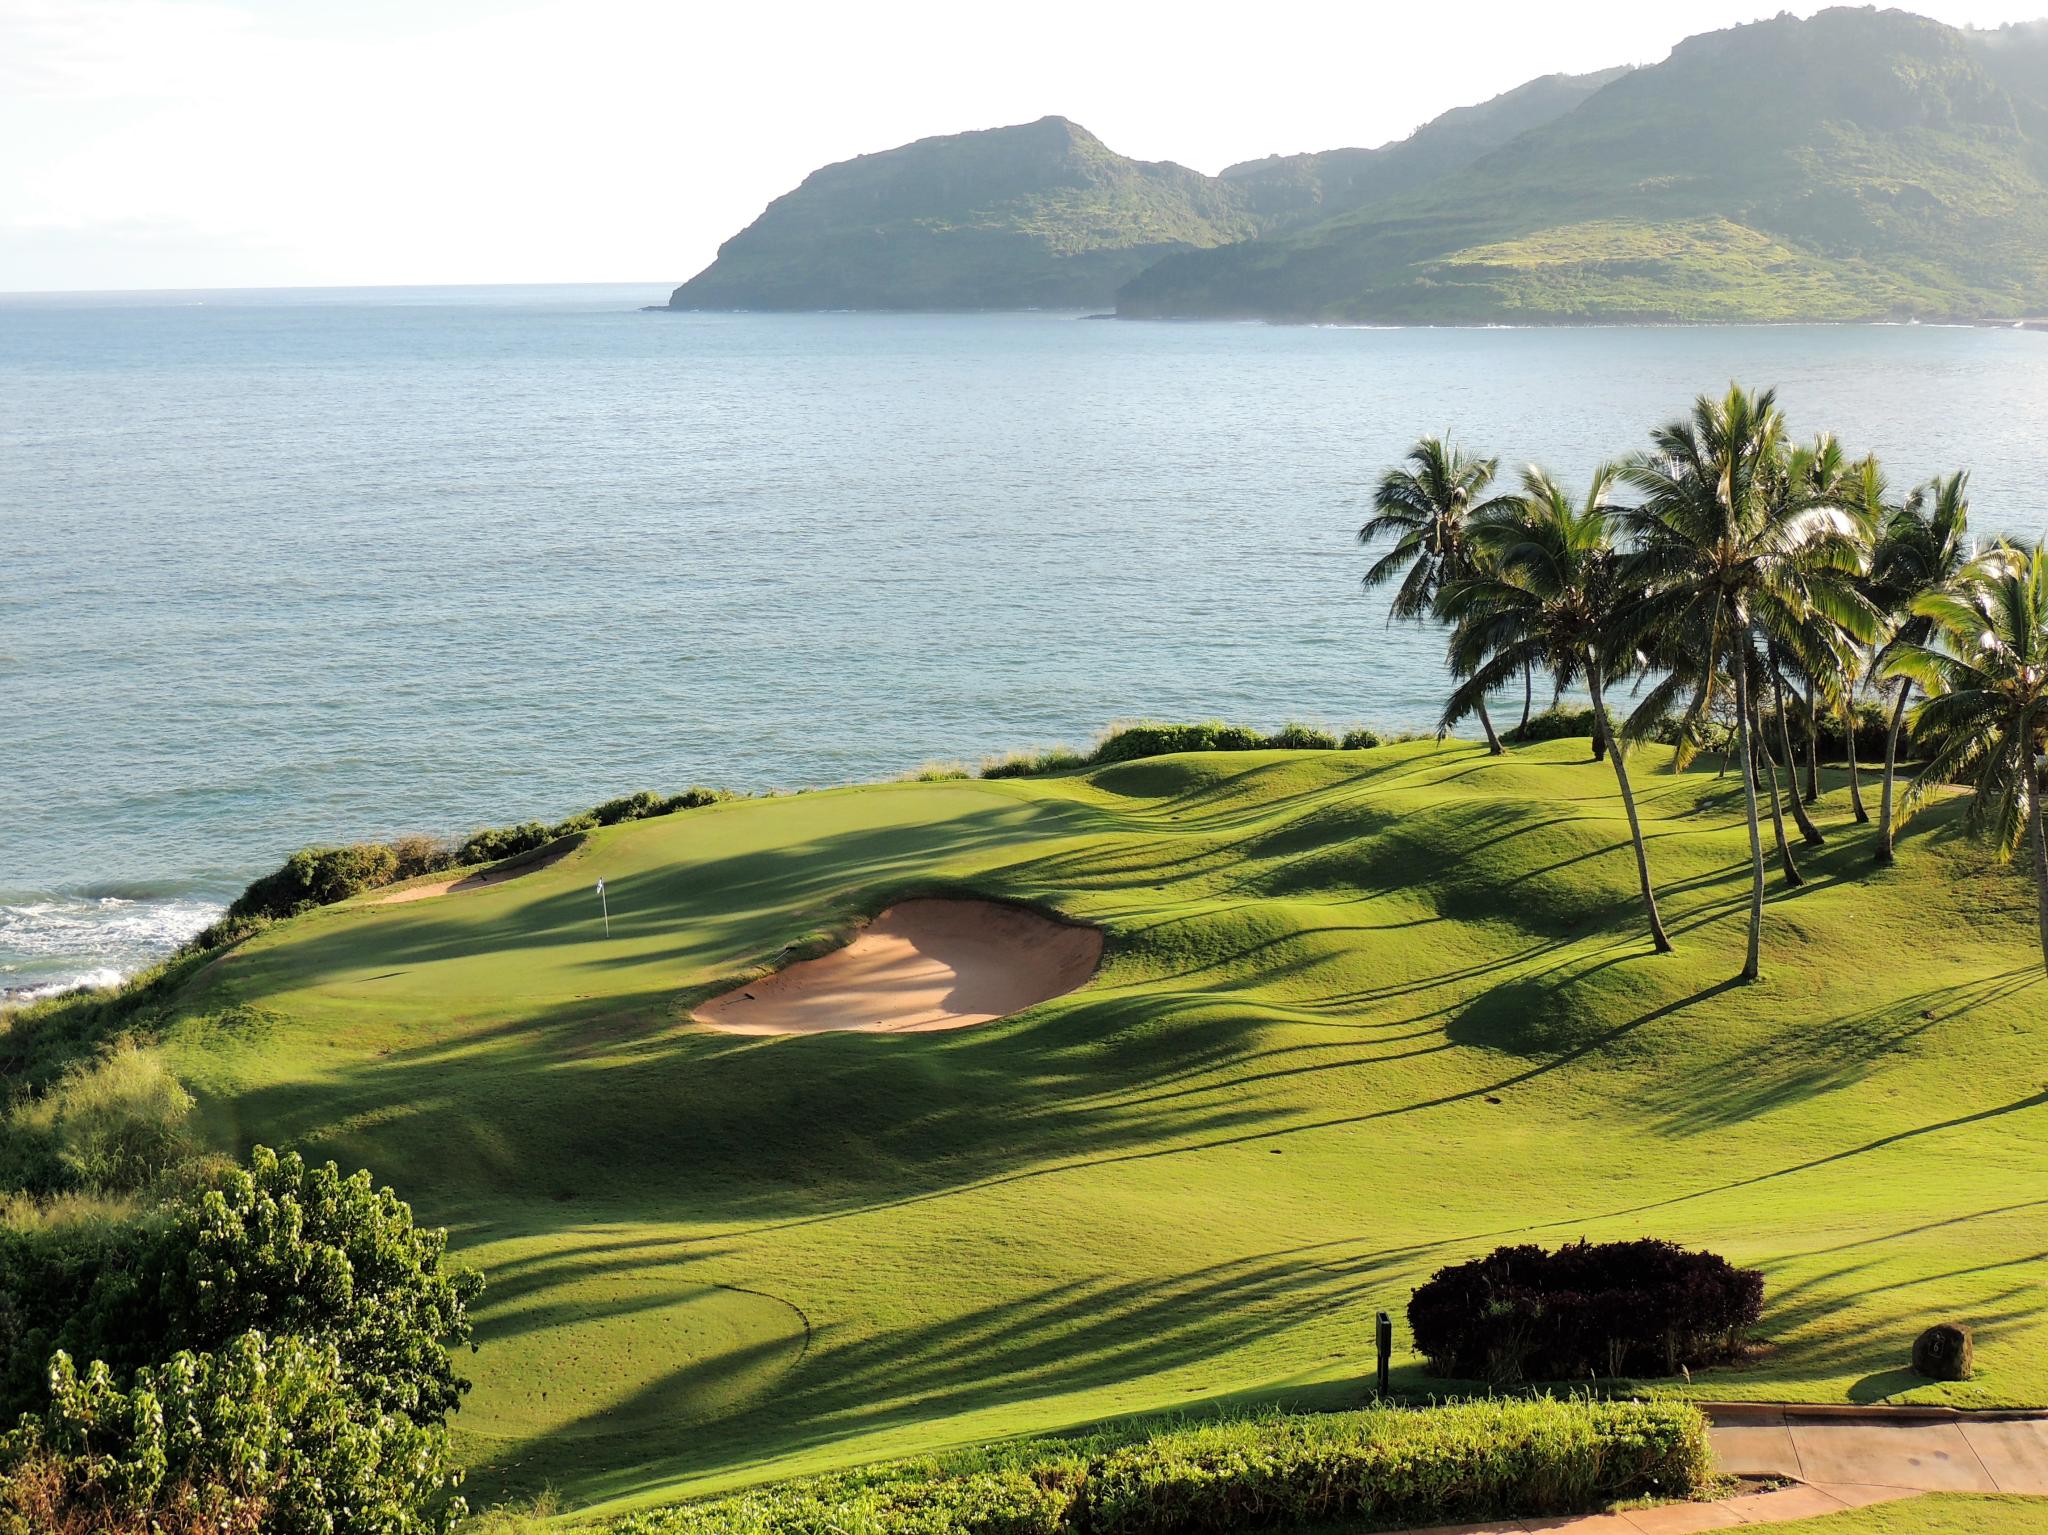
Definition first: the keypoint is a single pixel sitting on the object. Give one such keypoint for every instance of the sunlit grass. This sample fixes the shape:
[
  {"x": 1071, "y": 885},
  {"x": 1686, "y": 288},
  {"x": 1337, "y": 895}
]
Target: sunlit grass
[{"x": 1362, "y": 1014}]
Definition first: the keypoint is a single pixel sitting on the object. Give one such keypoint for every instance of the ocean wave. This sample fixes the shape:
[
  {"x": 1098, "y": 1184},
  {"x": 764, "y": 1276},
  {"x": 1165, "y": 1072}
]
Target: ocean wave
[
  {"x": 52, "y": 942},
  {"x": 91, "y": 980}
]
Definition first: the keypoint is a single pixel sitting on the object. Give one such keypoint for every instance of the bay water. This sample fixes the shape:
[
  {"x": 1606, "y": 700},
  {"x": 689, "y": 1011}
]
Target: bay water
[{"x": 281, "y": 568}]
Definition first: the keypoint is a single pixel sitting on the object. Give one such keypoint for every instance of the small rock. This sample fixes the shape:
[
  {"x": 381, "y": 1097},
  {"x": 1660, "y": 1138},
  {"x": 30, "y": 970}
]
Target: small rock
[{"x": 1946, "y": 1351}]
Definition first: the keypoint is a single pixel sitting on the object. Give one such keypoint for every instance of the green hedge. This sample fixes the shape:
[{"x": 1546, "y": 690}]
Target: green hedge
[
  {"x": 1385, "y": 1467},
  {"x": 1149, "y": 738}
]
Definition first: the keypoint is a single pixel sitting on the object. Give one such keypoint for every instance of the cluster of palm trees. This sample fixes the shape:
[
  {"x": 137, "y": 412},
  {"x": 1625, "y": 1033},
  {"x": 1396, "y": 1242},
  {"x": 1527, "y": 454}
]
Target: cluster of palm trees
[{"x": 1738, "y": 579}]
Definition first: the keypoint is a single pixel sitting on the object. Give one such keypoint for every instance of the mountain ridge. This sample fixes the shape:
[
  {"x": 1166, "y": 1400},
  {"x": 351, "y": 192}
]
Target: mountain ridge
[{"x": 1859, "y": 164}]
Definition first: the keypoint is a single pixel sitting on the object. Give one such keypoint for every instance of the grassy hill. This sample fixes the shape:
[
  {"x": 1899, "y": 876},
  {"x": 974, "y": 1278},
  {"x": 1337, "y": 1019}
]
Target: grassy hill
[
  {"x": 1861, "y": 164},
  {"x": 1038, "y": 215},
  {"x": 1044, "y": 215},
  {"x": 1287, "y": 191},
  {"x": 1361, "y": 1014}
]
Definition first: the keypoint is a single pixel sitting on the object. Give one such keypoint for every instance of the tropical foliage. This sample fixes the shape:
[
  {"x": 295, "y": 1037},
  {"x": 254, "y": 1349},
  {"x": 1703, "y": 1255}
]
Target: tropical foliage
[
  {"x": 269, "y": 1352},
  {"x": 1985, "y": 669},
  {"x": 1750, "y": 588}
]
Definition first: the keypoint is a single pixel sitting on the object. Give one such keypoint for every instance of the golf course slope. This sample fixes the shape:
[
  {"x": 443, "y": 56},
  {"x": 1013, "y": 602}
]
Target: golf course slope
[{"x": 1359, "y": 1014}]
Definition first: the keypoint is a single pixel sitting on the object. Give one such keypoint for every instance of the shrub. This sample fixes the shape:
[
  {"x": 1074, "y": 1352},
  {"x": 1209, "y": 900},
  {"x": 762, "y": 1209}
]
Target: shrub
[
  {"x": 258, "y": 1438},
  {"x": 317, "y": 876},
  {"x": 1614, "y": 1308},
  {"x": 490, "y": 843},
  {"x": 418, "y": 855},
  {"x": 913, "y": 1501},
  {"x": 219, "y": 935},
  {"x": 1127, "y": 743},
  {"x": 1302, "y": 738},
  {"x": 1383, "y": 1467},
  {"x": 1360, "y": 739},
  {"x": 1393, "y": 1467},
  {"x": 279, "y": 1248},
  {"x": 1057, "y": 759},
  {"x": 1553, "y": 724},
  {"x": 1873, "y": 724},
  {"x": 114, "y": 1125}
]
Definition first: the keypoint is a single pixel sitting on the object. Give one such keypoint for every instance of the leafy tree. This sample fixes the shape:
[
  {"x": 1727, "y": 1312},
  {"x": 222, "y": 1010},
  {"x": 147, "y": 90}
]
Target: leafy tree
[
  {"x": 1728, "y": 558},
  {"x": 1985, "y": 669},
  {"x": 1546, "y": 595},
  {"x": 281, "y": 1308},
  {"x": 260, "y": 1437},
  {"x": 1428, "y": 509},
  {"x": 1922, "y": 546},
  {"x": 283, "y": 1247}
]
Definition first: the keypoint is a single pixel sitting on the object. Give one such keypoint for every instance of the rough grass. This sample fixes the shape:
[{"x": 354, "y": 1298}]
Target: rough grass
[
  {"x": 1938, "y": 1514},
  {"x": 1362, "y": 1015}
]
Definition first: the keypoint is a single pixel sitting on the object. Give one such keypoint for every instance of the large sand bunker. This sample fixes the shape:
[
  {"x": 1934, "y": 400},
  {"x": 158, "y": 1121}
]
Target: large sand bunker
[{"x": 920, "y": 966}]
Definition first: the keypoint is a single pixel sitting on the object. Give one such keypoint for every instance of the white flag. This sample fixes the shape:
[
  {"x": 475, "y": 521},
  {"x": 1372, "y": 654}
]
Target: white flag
[{"x": 600, "y": 887}]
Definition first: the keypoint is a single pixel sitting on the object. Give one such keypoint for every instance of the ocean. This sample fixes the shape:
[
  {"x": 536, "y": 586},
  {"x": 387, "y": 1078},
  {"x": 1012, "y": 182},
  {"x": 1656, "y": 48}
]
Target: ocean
[{"x": 279, "y": 568}]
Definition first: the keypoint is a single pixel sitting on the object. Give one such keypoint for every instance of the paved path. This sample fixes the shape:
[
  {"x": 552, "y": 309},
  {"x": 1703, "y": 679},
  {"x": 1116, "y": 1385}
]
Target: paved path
[{"x": 1846, "y": 1460}]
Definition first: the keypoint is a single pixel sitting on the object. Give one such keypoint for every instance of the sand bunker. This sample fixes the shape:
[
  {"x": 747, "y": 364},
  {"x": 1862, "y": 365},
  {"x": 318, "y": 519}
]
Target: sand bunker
[
  {"x": 918, "y": 967},
  {"x": 531, "y": 863}
]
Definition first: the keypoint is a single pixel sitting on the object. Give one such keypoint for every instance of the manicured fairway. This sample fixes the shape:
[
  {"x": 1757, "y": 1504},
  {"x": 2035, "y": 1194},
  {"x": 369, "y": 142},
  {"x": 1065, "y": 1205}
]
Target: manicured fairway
[{"x": 1361, "y": 1014}]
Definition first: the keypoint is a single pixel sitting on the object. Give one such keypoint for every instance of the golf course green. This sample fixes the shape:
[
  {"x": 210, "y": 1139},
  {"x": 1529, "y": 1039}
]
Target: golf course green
[{"x": 1360, "y": 1014}]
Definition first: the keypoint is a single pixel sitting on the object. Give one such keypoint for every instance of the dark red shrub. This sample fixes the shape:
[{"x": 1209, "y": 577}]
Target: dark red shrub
[{"x": 1612, "y": 1308}]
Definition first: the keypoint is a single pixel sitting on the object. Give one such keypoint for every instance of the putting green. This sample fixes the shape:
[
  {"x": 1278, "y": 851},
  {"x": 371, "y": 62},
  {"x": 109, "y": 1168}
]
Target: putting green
[{"x": 1361, "y": 1014}]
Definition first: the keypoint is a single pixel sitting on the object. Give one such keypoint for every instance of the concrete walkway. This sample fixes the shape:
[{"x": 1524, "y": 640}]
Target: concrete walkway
[{"x": 1839, "y": 1460}]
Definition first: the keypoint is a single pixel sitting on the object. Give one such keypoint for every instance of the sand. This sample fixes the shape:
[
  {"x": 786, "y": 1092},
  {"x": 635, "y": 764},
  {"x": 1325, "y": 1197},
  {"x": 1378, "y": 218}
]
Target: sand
[
  {"x": 919, "y": 967},
  {"x": 531, "y": 863}
]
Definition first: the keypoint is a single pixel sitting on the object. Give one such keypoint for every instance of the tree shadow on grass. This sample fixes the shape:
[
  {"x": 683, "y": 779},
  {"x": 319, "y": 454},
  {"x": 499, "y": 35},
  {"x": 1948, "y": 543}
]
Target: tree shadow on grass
[
  {"x": 1807, "y": 1057},
  {"x": 1063, "y": 1338}
]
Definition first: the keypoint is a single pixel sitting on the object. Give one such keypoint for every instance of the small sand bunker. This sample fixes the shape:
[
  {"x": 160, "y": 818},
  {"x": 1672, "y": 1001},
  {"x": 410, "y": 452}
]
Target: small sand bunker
[
  {"x": 530, "y": 863},
  {"x": 918, "y": 967}
]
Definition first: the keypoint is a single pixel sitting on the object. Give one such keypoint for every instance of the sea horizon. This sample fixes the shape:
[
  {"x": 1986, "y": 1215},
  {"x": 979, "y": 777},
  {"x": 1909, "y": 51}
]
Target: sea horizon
[{"x": 450, "y": 556}]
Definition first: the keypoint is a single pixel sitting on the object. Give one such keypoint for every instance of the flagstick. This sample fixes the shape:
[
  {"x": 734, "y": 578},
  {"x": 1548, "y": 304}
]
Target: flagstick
[{"x": 605, "y": 904}]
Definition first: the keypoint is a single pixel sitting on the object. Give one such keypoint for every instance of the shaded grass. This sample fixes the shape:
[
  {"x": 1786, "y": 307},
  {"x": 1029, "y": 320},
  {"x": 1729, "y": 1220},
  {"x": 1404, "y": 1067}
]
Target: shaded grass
[{"x": 1361, "y": 1015}]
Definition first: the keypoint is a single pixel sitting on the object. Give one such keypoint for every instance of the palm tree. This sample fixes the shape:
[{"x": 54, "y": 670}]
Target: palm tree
[
  {"x": 1547, "y": 595},
  {"x": 1921, "y": 547},
  {"x": 1726, "y": 558},
  {"x": 1427, "y": 509},
  {"x": 1867, "y": 492},
  {"x": 1984, "y": 665}
]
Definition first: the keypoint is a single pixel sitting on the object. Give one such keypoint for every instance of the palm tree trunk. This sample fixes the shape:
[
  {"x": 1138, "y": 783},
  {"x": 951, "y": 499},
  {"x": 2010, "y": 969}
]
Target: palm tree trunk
[
  {"x": 1885, "y": 829},
  {"x": 1812, "y": 748},
  {"x": 1628, "y": 802},
  {"x": 1766, "y": 764},
  {"x": 1528, "y": 693},
  {"x": 1808, "y": 832},
  {"x": 2038, "y": 835},
  {"x": 1756, "y": 846},
  {"x": 1855, "y": 779},
  {"x": 1486, "y": 721}
]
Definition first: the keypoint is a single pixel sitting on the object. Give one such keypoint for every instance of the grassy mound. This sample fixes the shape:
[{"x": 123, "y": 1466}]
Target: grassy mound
[{"x": 1362, "y": 1014}]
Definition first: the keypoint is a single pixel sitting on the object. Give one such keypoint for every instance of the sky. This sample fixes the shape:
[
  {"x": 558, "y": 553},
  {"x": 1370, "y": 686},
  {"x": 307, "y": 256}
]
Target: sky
[{"x": 259, "y": 143}]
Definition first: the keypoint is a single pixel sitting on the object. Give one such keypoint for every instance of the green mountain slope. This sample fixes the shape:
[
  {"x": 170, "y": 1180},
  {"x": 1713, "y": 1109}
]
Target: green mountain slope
[
  {"x": 1860, "y": 164},
  {"x": 1044, "y": 215},
  {"x": 1362, "y": 1014},
  {"x": 1291, "y": 190},
  {"x": 1037, "y": 215}
]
